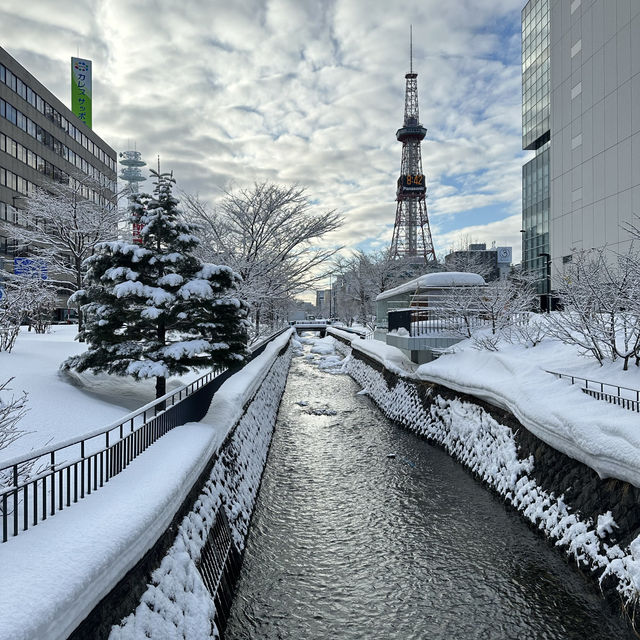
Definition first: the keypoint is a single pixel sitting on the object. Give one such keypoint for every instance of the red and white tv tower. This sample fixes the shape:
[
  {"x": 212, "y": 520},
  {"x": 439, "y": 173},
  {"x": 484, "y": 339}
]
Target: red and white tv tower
[{"x": 411, "y": 233}]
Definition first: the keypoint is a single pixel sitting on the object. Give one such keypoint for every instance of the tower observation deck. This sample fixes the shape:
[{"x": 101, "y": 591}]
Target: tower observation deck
[{"x": 411, "y": 232}]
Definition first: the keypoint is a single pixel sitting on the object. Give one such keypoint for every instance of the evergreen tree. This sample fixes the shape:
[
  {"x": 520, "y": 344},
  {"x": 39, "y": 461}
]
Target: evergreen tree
[{"x": 154, "y": 309}]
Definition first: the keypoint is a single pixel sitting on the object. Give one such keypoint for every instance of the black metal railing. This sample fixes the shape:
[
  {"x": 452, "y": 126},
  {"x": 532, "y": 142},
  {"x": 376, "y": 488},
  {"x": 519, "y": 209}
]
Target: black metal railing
[
  {"x": 219, "y": 566},
  {"x": 399, "y": 319},
  {"x": 626, "y": 397},
  {"x": 35, "y": 486},
  {"x": 419, "y": 321}
]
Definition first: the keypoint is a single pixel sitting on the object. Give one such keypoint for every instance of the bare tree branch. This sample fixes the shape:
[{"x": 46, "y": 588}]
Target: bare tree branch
[{"x": 268, "y": 234}]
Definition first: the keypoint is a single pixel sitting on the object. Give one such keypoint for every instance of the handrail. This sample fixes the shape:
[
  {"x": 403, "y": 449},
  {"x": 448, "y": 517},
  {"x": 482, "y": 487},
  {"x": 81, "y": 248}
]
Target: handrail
[
  {"x": 100, "y": 431},
  {"x": 422, "y": 321},
  {"x": 56, "y": 482},
  {"x": 614, "y": 398}
]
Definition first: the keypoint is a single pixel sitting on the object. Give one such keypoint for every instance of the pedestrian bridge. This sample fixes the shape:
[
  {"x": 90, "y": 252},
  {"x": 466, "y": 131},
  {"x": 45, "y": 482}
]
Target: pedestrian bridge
[{"x": 311, "y": 325}]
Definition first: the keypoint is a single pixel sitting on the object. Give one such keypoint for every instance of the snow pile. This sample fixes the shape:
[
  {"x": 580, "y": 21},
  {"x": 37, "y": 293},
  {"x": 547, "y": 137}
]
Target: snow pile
[
  {"x": 323, "y": 346},
  {"x": 323, "y": 353},
  {"x": 296, "y": 345},
  {"x": 605, "y": 437},
  {"x": 392, "y": 358},
  {"x": 177, "y": 604},
  {"x": 477, "y": 440}
]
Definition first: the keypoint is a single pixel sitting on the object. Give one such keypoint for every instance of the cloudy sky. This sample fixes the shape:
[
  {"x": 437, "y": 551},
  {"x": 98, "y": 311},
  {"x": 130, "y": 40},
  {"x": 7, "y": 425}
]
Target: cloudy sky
[{"x": 302, "y": 91}]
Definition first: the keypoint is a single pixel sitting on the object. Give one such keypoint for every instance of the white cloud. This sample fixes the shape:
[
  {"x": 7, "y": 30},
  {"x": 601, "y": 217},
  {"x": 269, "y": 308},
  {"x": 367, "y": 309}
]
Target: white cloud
[{"x": 301, "y": 91}]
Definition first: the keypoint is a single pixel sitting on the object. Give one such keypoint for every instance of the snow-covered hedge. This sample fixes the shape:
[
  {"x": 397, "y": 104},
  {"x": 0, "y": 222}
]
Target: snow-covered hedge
[
  {"x": 177, "y": 603},
  {"x": 474, "y": 438}
]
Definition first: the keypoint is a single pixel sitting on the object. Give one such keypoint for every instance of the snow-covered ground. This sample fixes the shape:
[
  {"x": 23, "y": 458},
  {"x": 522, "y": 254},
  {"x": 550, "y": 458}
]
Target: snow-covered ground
[
  {"x": 63, "y": 405},
  {"x": 601, "y": 435},
  {"x": 55, "y": 573}
]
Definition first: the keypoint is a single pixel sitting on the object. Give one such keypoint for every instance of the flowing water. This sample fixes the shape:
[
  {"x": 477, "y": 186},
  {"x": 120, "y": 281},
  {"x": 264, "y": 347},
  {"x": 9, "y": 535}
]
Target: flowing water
[{"x": 347, "y": 542}]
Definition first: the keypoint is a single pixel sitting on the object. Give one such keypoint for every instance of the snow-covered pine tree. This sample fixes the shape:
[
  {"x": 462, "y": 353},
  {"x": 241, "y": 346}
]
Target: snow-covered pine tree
[{"x": 154, "y": 309}]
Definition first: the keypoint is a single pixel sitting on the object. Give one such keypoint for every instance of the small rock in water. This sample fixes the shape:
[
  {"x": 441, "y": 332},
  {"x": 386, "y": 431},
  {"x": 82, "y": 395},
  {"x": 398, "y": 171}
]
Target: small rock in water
[{"x": 321, "y": 412}]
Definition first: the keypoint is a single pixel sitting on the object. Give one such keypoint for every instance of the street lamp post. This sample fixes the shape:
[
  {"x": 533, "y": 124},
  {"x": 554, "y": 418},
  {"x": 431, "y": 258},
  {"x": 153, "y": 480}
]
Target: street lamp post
[
  {"x": 330, "y": 296},
  {"x": 547, "y": 280}
]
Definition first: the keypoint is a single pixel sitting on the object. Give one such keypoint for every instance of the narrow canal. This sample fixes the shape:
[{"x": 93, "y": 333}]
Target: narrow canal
[{"x": 347, "y": 542}]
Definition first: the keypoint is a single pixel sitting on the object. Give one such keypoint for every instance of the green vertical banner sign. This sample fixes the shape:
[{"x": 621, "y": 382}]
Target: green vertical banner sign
[{"x": 81, "y": 89}]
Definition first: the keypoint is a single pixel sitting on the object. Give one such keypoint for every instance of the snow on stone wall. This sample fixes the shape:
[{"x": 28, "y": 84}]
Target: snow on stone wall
[
  {"x": 474, "y": 438},
  {"x": 177, "y": 604}
]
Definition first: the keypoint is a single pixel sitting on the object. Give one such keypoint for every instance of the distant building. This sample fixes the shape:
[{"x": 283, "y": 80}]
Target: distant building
[
  {"x": 491, "y": 264},
  {"x": 580, "y": 106},
  {"x": 41, "y": 141},
  {"x": 324, "y": 303}
]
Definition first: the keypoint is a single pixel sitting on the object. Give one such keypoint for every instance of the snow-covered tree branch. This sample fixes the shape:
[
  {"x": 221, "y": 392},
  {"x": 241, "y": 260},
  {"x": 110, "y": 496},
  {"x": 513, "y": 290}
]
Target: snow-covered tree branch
[
  {"x": 499, "y": 306},
  {"x": 600, "y": 300},
  {"x": 12, "y": 410},
  {"x": 26, "y": 298},
  {"x": 62, "y": 227},
  {"x": 362, "y": 276},
  {"x": 267, "y": 234}
]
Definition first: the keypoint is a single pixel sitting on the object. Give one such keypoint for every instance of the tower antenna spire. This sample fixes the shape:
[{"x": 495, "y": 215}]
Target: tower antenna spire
[{"x": 410, "y": 48}]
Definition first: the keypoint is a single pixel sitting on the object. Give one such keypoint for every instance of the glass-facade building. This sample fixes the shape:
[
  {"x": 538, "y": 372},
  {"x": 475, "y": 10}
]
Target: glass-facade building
[
  {"x": 580, "y": 106},
  {"x": 536, "y": 135},
  {"x": 536, "y": 205}
]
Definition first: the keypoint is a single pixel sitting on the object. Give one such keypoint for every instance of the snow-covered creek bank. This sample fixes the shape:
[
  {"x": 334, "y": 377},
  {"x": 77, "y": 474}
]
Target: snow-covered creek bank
[
  {"x": 363, "y": 530},
  {"x": 594, "y": 521},
  {"x": 137, "y": 543}
]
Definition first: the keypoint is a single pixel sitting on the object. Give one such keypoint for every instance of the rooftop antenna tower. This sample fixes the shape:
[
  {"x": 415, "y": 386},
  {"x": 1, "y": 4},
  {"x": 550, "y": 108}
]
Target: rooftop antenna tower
[
  {"x": 132, "y": 161},
  {"x": 131, "y": 173},
  {"x": 411, "y": 232}
]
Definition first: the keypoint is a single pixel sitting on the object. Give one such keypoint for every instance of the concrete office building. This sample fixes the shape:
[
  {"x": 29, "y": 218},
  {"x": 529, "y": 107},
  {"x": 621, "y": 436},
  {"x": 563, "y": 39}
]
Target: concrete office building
[
  {"x": 581, "y": 116},
  {"x": 41, "y": 140},
  {"x": 492, "y": 264}
]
